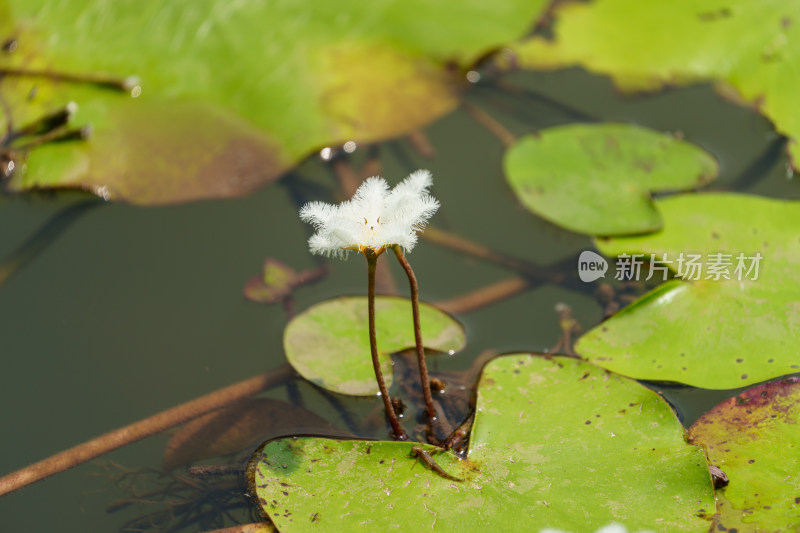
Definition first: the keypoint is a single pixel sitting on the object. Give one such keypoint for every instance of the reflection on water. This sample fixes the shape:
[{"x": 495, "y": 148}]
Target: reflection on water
[{"x": 122, "y": 312}]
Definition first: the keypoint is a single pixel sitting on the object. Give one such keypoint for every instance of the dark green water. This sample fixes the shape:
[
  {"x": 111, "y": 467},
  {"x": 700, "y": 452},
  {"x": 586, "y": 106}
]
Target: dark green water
[{"x": 130, "y": 311}]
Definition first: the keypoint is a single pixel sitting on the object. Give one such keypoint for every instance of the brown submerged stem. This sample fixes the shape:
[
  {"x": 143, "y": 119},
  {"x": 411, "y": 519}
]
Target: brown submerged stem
[
  {"x": 372, "y": 262},
  {"x": 487, "y": 121},
  {"x": 423, "y": 367},
  {"x": 487, "y": 295},
  {"x": 465, "y": 246},
  {"x": 144, "y": 428}
]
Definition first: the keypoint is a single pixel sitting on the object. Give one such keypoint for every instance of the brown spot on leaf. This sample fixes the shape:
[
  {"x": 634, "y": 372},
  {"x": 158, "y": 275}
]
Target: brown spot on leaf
[
  {"x": 712, "y": 16},
  {"x": 10, "y": 45}
]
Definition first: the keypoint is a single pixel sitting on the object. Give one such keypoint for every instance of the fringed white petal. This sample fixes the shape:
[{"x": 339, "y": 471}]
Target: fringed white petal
[
  {"x": 321, "y": 245},
  {"x": 317, "y": 213},
  {"x": 370, "y": 195},
  {"x": 414, "y": 186}
]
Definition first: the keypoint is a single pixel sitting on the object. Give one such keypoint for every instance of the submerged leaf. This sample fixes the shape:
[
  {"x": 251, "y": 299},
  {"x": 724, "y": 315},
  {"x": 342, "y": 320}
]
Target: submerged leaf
[
  {"x": 755, "y": 439},
  {"x": 328, "y": 344},
  {"x": 277, "y": 280},
  {"x": 551, "y": 436},
  {"x": 597, "y": 178},
  {"x": 273, "y": 284},
  {"x": 239, "y": 426},
  {"x": 749, "y": 46},
  {"x": 711, "y": 333},
  {"x": 232, "y": 94}
]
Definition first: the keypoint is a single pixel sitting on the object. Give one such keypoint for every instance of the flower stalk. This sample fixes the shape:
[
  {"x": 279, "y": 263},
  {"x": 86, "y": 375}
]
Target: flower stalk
[
  {"x": 397, "y": 429},
  {"x": 423, "y": 367},
  {"x": 375, "y": 219}
]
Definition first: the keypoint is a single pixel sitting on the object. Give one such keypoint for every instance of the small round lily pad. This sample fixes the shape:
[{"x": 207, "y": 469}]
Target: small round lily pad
[{"x": 328, "y": 344}]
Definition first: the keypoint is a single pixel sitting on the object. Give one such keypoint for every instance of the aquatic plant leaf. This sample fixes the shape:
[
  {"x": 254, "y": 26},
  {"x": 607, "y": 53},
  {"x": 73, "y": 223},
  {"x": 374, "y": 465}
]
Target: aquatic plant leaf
[
  {"x": 749, "y": 47},
  {"x": 328, "y": 344},
  {"x": 273, "y": 284},
  {"x": 597, "y": 178},
  {"x": 755, "y": 439},
  {"x": 715, "y": 334},
  {"x": 239, "y": 426},
  {"x": 556, "y": 443},
  {"x": 233, "y": 94},
  {"x": 277, "y": 281}
]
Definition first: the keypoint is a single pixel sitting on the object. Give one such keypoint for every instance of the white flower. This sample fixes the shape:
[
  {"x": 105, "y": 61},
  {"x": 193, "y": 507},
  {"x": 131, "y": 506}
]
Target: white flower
[{"x": 375, "y": 218}]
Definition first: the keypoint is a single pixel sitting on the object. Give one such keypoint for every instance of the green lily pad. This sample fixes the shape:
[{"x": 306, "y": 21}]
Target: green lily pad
[
  {"x": 755, "y": 439},
  {"x": 328, "y": 344},
  {"x": 597, "y": 178},
  {"x": 710, "y": 333},
  {"x": 232, "y": 94},
  {"x": 749, "y": 46},
  {"x": 556, "y": 443}
]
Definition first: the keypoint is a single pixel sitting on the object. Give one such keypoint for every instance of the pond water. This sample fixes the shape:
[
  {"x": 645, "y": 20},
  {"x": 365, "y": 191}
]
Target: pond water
[{"x": 126, "y": 311}]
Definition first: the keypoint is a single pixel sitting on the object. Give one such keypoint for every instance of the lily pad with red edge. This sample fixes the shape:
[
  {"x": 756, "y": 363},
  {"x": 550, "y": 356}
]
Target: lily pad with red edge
[
  {"x": 328, "y": 344},
  {"x": 708, "y": 332},
  {"x": 232, "y": 94},
  {"x": 556, "y": 443},
  {"x": 750, "y": 48},
  {"x": 755, "y": 439}
]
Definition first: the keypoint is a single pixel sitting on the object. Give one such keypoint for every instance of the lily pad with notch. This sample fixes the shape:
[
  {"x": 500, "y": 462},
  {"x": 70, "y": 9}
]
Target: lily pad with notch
[
  {"x": 710, "y": 332},
  {"x": 748, "y": 47},
  {"x": 597, "y": 178},
  {"x": 556, "y": 443}
]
